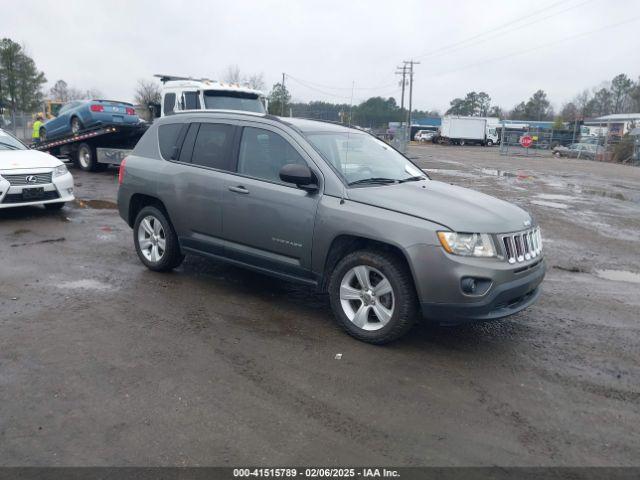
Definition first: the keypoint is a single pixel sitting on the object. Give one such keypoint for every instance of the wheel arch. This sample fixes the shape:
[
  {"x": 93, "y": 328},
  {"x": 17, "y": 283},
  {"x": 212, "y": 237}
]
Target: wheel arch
[
  {"x": 345, "y": 244},
  {"x": 140, "y": 200}
]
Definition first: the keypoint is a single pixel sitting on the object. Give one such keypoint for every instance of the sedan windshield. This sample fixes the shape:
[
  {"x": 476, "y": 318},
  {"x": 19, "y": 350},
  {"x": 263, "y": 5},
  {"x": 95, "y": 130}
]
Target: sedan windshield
[
  {"x": 8, "y": 142},
  {"x": 363, "y": 159}
]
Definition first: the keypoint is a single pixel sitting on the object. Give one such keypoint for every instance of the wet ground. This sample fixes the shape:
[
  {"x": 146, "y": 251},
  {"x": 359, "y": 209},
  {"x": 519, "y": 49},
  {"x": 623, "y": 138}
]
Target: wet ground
[{"x": 103, "y": 362}]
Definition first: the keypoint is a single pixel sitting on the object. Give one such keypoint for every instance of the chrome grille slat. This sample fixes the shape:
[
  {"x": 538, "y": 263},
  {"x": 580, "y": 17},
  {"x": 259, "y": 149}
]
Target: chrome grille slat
[
  {"x": 21, "y": 179},
  {"x": 521, "y": 246}
]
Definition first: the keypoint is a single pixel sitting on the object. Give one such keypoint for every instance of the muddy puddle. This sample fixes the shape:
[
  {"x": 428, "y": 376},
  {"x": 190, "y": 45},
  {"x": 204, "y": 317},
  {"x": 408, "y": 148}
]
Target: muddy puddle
[
  {"x": 618, "y": 275},
  {"x": 494, "y": 172},
  {"x": 545, "y": 203},
  {"x": 96, "y": 204},
  {"x": 450, "y": 172},
  {"x": 85, "y": 284}
]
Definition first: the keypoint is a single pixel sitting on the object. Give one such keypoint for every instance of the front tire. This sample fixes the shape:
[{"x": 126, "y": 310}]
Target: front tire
[
  {"x": 461, "y": 143},
  {"x": 489, "y": 143},
  {"x": 156, "y": 241},
  {"x": 373, "y": 296}
]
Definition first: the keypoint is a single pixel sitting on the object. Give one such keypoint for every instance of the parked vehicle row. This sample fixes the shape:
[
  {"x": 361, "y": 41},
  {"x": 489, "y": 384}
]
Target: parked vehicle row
[
  {"x": 588, "y": 151},
  {"x": 331, "y": 207}
]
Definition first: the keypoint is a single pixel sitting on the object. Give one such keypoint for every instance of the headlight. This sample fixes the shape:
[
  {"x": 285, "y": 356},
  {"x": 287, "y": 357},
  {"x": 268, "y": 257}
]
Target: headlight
[
  {"x": 468, "y": 244},
  {"x": 61, "y": 170}
]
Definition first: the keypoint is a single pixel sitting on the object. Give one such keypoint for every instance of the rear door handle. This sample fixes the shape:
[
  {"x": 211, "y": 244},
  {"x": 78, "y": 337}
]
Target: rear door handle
[{"x": 239, "y": 189}]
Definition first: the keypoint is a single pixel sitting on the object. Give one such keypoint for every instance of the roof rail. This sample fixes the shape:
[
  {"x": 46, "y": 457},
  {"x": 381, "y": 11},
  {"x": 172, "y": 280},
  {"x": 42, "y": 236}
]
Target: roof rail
[
  {"x": 220, "y": 110},
  {"x": 167, "y": 78}
]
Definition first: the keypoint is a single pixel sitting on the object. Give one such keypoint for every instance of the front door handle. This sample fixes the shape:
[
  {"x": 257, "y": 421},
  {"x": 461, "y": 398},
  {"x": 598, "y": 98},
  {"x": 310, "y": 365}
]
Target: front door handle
[{"x": 239, "y": 189}]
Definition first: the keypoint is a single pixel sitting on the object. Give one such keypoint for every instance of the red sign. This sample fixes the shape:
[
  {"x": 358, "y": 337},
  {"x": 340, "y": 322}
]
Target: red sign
[{"x": 526, "y": 141}]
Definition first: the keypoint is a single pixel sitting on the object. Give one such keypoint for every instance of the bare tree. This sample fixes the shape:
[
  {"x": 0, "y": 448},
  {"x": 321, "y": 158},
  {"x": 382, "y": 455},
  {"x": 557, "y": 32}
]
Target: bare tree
[
  {"x": 232, "y": 74},
  {"x": 255, "y": 81},
  {"x": 59, "y": 91},
  {"x": 94, "y": 93},
  {"x": 62, "y": 92},
  {"x": 147, "y": 92}
]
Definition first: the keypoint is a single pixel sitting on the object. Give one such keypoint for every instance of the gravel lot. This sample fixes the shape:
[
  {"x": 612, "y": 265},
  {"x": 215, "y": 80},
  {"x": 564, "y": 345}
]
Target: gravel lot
[{"x": 103, "y": 362}]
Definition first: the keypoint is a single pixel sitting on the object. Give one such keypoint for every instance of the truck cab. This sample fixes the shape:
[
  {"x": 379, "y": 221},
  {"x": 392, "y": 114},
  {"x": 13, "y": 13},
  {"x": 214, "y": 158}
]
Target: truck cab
[{"x": 180, "y": 94}]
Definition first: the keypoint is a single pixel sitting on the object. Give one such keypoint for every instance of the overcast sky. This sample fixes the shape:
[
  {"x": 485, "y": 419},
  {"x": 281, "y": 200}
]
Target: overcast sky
[{"x": 508, "y": 49}]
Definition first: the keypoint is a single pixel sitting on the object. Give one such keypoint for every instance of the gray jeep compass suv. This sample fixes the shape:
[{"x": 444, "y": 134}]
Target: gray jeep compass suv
[{"x": 332, "y": 207}]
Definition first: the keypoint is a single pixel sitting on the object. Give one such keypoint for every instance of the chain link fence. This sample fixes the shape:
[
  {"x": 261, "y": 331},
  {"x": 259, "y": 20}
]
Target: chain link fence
[
  {"x": 600, "y": 142},
  {"x": 19, "y": 124}
]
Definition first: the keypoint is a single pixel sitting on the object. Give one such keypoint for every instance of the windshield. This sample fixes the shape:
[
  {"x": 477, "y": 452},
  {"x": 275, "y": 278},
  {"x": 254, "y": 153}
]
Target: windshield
[
  {"x": 7, "y": 142},
  {"x": 358, "y": 157},
  {"x": 223, "y": 100}
]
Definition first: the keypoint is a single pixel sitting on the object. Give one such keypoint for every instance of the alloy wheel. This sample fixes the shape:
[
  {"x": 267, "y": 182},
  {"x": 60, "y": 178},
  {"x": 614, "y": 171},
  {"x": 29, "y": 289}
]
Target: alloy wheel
[
  {"x": 367, "y": 297},
  {"x": 151, "y": 238}
]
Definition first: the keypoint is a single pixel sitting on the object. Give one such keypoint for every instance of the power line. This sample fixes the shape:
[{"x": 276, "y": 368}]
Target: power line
[
  {"x": 499, "y": 34},
  {"x": 555, "y": 42},
  {"x": 510, "y": 23},
  {"x": 304, "y": 84},
  {"x": 340, "y": 88}
]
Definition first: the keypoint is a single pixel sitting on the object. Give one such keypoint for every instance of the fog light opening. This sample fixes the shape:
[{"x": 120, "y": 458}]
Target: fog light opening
[
  {"x": 474, "y": 285},
  {"x": 469, "y": 285}
]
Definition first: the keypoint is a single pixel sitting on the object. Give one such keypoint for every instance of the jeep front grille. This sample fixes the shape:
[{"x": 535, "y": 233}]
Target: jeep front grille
[
  {"x": 28, "y": 179},
  {"x": 521, "y": 246}
]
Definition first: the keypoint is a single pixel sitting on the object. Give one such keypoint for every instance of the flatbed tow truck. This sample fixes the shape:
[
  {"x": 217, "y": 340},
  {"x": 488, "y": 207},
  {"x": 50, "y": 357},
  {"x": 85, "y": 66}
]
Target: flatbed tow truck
[{"x": 95, "y": 148}]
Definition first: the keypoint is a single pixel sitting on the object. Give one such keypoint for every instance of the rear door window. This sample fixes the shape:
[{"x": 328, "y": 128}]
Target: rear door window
[
  {"x": 169, "y": 139},
  {"x": 212, "y": 147}
]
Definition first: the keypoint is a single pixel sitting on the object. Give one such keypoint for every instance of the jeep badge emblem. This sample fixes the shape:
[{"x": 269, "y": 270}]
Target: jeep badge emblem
[
  {"x": 527, "y": 223},
  {"x": 31, "y": 179}
]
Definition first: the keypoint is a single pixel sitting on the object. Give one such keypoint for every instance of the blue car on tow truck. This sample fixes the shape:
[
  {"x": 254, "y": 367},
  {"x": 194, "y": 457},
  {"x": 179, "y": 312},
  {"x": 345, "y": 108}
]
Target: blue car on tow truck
[{"x": 80, "y": 115}]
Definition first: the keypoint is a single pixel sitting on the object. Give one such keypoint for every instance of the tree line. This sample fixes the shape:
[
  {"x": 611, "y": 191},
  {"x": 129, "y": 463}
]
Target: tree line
[{"x": 620, "y": 95}]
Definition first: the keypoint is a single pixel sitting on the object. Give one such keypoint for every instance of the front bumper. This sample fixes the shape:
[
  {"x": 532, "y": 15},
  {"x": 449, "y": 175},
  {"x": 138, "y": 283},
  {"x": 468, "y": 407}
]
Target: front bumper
[
  {"x": 507, "y": 289},
  {"x": 501, "y": 301},
  {"x": 60, "y": 190}
]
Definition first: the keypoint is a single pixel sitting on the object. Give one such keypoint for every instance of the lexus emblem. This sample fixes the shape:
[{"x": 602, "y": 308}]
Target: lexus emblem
[{"x": 31, "y": 179}]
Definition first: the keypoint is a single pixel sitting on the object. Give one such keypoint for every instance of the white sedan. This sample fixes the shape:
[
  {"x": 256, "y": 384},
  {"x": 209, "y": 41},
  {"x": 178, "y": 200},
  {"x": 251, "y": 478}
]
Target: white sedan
[{"x": 30, "y": 177}]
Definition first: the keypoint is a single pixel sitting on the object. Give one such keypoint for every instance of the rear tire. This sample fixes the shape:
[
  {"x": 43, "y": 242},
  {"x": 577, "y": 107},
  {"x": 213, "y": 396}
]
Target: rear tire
[
  {"x": 156, "y": 241},
  {"x": 365, "y": 311},
  {"x": 461, "y": 143},
  {"x": 76, "y": 125},
  {"x": 54, "y": 206},
  {"x": 86, "y": 158}
]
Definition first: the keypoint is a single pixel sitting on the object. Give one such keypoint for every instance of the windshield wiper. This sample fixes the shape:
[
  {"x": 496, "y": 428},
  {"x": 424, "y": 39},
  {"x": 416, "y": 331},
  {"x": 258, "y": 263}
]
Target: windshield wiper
[
  {"x": 374, "y": 180},
  {"x": 417, "y": 178}
]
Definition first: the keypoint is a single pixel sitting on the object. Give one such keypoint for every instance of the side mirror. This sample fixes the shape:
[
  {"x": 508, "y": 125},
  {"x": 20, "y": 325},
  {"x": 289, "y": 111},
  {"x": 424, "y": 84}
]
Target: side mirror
[{"x": 300, "y": 175}]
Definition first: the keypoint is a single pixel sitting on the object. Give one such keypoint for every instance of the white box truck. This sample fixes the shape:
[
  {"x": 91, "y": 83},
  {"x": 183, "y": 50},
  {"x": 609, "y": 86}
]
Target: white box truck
[{"x": 468, "y": 130}]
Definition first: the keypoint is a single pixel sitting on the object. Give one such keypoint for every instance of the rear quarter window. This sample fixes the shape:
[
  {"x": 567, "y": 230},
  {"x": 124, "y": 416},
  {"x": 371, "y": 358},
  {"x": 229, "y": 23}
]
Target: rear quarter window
[{"x": 168, "y": 136}]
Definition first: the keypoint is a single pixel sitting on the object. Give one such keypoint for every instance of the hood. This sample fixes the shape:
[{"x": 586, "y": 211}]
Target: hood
[
  {"x": 458, "y": 208},
  {"x": 21, "y": 159}
]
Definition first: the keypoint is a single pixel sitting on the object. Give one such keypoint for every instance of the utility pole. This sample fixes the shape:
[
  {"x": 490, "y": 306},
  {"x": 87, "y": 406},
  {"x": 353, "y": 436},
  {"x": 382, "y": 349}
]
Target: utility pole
[
  {"x": 283, "y": 96},
  {"x": 411, "y": 63},
  {"x": 402, "y": 71}
]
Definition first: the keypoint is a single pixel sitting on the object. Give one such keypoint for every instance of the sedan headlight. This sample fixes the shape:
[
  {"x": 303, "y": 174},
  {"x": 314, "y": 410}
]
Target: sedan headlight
[
  {"x": 61, "y": 170},
  {"x": 468, "y": 244}
]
